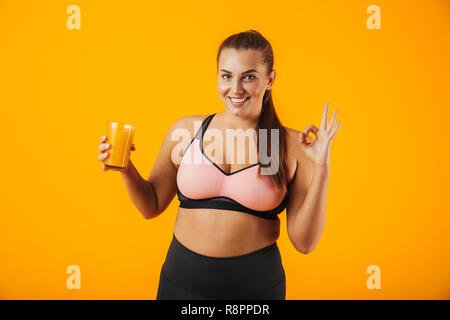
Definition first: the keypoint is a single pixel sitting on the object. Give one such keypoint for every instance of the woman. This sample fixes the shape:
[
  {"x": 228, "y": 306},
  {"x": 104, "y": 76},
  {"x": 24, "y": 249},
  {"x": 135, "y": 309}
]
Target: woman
[{"x": 224, "y": 243}]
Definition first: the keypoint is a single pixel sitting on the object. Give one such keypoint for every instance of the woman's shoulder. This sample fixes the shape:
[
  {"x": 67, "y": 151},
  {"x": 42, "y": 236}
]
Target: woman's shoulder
[
  {"x": 293, "y": 135},
  {"x": 295, "y": 150},
  {"x": 290, "y": 131},
  {"x": 186, "y": 120},
  {"x": 190, "y": 123}
]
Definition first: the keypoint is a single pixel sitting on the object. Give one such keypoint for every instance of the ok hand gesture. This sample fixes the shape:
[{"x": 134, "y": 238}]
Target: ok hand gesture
[{"x": 319, "y": 149}]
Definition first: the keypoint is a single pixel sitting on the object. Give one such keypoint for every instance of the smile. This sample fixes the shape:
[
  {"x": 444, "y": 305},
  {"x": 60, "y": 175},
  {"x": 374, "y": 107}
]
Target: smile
[{"x": 238, "y": 102}]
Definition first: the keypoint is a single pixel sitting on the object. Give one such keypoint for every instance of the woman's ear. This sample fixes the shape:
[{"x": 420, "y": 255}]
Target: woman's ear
[{"x": 271, "y": 79}]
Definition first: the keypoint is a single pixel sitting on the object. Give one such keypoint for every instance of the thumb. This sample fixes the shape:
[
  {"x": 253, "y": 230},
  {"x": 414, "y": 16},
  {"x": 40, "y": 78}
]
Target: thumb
[{"x": 302, "y": 138}]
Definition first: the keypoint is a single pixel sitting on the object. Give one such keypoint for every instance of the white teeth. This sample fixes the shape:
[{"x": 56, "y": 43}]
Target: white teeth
[{"x": 238, "y": 100}]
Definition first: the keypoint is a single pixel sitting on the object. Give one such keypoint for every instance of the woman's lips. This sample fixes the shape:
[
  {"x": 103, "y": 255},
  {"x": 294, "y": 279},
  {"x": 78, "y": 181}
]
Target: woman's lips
[{"x": 237, "y": 104}]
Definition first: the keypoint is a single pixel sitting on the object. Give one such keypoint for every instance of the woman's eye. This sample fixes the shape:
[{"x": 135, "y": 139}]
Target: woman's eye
[{"x": 244, "y": 77}]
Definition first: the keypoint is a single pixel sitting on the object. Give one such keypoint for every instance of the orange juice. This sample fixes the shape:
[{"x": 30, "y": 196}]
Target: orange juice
[{"x": 120, "y": 138}]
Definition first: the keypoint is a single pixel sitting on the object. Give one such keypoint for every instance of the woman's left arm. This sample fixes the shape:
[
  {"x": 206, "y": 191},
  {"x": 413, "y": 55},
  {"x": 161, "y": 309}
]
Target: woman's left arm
[{"x": 308, "y": 190}]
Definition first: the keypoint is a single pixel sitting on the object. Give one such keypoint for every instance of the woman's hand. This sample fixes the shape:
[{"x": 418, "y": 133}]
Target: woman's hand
[
  {"x": 319, "y": 149},
  {"x": 105, "y": 146}
]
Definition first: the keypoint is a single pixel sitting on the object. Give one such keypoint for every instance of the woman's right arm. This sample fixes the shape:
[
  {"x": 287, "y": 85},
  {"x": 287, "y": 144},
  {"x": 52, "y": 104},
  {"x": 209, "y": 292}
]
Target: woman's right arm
[
  {"x": 153, "y": 196},
  {"x": 141, "y": 192}
]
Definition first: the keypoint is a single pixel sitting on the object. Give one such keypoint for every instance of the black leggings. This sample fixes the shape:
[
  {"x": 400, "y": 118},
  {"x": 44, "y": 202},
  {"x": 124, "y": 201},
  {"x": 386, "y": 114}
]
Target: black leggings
[{"x": 187, "y": 275}]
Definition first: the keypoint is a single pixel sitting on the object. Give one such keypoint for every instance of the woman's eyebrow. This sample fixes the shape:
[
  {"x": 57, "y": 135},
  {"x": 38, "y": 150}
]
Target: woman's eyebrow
[{"x": 248, "y": 71}]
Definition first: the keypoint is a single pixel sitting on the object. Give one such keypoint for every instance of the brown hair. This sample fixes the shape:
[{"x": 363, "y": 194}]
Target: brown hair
[{"x": 252, "y": 39}]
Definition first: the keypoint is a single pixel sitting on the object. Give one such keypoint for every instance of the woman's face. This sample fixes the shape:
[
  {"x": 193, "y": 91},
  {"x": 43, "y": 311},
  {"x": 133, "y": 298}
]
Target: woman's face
[{"x": 242, "y": 74}]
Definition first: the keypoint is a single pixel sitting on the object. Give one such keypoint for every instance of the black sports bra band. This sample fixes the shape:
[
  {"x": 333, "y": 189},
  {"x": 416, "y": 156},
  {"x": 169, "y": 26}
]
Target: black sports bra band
[{"x": 225, "y": 203}]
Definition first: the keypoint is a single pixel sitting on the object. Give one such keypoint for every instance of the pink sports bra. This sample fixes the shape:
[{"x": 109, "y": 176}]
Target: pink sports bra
[{"x": 203, "y": 184}]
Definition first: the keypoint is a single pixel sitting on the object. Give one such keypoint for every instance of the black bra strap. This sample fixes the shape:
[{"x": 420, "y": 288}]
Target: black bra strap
[{"x": 201, "y": 131}]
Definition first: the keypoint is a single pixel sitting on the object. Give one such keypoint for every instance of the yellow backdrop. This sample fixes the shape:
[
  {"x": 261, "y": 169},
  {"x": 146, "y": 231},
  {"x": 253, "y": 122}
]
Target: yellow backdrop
[{"x": 146, "y": 63}]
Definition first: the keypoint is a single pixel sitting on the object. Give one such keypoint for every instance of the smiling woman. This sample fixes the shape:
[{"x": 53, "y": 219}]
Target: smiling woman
[
  {"x": 224, "y": 242},
  {"x": 231, "y": 252}
]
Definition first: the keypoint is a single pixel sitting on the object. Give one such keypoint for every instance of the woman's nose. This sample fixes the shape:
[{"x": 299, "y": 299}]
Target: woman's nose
[{"x": 236, "y": 87}]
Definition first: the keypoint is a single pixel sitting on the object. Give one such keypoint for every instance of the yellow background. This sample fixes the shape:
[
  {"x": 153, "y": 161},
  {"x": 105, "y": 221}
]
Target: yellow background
[{"x": 146, "y": 63}]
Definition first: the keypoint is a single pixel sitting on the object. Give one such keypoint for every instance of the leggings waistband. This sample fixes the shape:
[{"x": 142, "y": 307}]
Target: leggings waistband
[{"x": 222, "y": 277}]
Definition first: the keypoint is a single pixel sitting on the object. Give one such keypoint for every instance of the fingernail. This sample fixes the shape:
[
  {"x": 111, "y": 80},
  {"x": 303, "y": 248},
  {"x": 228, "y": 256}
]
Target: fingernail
[{"x": 107, "y": 145}]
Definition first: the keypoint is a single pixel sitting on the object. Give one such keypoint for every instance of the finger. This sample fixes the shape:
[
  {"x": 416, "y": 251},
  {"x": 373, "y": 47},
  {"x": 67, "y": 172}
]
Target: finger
[
  {"x": 309, "y": 140},
  {"x": 103, "y": 139},
  {"x": 307, "y": 130},
  {"x": 305, "y": 141},
  {"x": 105, "y": 168},
  {"x": 332, "y": 120},
  {"x": 103, "y": 156},
  {"x": 103, "y": 147},
  {"x": 301, "y": 137},
  {"x": 323, "y": 123},
  {"x": 312, "y": 128},
  {"x": 335, "y": 130}
]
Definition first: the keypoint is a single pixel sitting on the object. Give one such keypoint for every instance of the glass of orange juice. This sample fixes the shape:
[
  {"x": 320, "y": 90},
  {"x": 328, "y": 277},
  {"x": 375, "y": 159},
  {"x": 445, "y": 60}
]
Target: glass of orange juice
[{"x": 120, "y": 137}]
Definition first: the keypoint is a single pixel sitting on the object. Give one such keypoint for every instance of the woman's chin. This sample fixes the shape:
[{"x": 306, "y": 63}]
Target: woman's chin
[{"x": 236, "y": 110}]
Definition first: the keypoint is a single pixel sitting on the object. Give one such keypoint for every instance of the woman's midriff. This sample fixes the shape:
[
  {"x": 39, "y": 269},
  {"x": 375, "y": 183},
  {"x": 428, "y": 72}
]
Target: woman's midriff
[{"x": 224, "y": 233}]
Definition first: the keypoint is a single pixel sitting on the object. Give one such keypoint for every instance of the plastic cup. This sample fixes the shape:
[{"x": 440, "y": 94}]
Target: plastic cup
[{"x": 120, "y": 138}]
